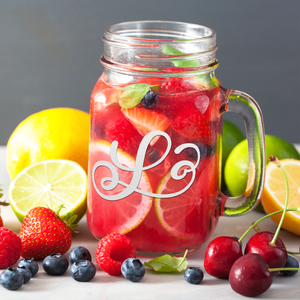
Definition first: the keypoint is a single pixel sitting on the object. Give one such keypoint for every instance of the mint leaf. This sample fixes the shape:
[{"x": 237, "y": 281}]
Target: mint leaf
[
  {"x": 168, "y": 263},
  {"x": 133, "y": 94},
  {"x": 169, "y": 50}
]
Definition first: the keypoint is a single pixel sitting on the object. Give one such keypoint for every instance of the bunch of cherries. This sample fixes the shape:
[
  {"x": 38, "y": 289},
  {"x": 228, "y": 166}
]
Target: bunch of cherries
[{"x": 265, "y": 255}]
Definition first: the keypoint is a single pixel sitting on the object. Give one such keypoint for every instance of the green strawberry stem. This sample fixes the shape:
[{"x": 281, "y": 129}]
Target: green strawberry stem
[
  {"x": 267, "y": 216},
  {"x": 68, "y": 219},
  {"x": 275, "y": 160}
]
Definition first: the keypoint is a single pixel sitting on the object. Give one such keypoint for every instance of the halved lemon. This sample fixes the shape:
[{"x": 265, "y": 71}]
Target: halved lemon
[
  {"x": 50, "y": 183},
  {"x": 274, "y": 193},
  {"x": 123, "y": 215}
]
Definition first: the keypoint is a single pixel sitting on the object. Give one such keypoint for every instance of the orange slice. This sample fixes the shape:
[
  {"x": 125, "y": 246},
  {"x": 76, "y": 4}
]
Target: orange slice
[
  {"x": 274, "y": 193},
  {"x": 106, "y": 216}
]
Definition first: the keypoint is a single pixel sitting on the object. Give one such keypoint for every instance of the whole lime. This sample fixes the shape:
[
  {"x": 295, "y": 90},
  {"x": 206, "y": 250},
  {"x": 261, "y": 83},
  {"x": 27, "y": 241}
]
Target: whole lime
[
  {"x": 236, "y": 167},
  {"x": 231, "y": 136}
]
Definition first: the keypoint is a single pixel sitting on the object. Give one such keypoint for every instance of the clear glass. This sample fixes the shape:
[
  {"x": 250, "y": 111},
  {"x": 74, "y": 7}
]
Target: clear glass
[{"x": 155, "y": 144}]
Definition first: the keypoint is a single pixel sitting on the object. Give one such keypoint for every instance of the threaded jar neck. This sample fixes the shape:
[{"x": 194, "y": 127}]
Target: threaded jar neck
[{"x": 159, "y": 47}]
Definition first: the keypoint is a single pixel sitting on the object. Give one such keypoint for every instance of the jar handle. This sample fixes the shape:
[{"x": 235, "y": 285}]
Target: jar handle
[{"x": 247, "y": 107}]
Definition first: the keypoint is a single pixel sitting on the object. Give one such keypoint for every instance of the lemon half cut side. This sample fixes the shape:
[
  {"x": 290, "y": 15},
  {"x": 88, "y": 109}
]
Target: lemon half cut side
[{"x": 274, "y": 193}]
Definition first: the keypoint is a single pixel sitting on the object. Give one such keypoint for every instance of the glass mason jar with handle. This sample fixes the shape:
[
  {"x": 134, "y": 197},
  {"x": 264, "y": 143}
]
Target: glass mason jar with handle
[{"x": 155, "y": 139}]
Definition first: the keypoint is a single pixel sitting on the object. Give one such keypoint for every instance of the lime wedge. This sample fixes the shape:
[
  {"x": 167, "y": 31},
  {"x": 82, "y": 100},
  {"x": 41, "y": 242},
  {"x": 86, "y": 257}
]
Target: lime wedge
[{"x": 50, "y": 183}]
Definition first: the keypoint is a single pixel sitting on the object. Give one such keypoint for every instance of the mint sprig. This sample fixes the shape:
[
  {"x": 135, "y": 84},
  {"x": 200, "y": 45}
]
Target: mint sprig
[
  {"x": 169, "y": 50},
  {"x": 133, "y": 94},
  {"x": 168, "y": 263}
]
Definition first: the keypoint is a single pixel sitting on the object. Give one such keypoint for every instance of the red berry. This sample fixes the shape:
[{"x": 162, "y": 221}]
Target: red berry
[
  {"x": 275, "y": 256},
  {"x": 112, "y": 250},
  {"x": 43, "y": 233},
  {"x": 175, "y": 86},
  {"x": 249, "y": 275},
  {"x": 1, "y": 222},
  {"x": 10, "y": 248},
  {"x": 121, "y": 130},
  {"x": 220, "y": 255},
  {"x": 145, "y": 120},
  {"x": 195, "y": 126}
]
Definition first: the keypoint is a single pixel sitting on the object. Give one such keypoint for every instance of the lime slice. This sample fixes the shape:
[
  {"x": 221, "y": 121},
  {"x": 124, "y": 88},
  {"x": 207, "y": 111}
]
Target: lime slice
[
  {"x": 50, "y": 183},
  {"x": 105, "y": 216}
]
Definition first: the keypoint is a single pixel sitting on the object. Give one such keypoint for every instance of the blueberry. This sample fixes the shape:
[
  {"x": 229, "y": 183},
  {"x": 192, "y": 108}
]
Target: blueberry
[
  {"x": 79, "y": 253},
  {"x": 26, "y": 273},
  {"x": 153, "y": 156},
  {"x": 149, "y": 100},
  {"x": 11, "y": 279},
  {"x": 55, "y": 264},
  {"x": 205, "y": 151},
  {"x": 193, "y": 275},
  {"x": 31, "y": 264},
  {"x": 132, "y": 269},
  {"x": 83, "y": 270},
  {"x": 290, "y": 263}
]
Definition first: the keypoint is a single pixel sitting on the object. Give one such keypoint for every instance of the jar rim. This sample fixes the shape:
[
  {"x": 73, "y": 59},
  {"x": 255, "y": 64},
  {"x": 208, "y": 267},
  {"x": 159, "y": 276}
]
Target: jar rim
[{"x": 135, "y": 32}]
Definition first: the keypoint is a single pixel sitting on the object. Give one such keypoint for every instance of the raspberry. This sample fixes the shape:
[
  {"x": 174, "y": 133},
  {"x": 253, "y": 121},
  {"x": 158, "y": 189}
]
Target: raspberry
[
  {"x": 175, "y": 86},
  {"x": 121, "y": 130},
  {"x": 112, "y": 250},
  {"x": 10, "y": 248}
]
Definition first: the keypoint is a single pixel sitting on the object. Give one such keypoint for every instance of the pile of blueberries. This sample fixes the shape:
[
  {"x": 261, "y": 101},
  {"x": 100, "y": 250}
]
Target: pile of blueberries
[{"x": 82, "y": 269}]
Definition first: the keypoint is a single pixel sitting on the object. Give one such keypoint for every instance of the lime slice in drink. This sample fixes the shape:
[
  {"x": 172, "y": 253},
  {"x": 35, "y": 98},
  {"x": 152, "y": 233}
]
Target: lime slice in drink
[
  {"x": 50, "y": 183},
  {"x": 121, "y": 215}
]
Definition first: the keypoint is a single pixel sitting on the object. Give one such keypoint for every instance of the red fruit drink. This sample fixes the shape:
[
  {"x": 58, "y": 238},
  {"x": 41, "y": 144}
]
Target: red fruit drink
[
  {"x": 155, "y": 146},
  {"x": 187, "y": 113}
]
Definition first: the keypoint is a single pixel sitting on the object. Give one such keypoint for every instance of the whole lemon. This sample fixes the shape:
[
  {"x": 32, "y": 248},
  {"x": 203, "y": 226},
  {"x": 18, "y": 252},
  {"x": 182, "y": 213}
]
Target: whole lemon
[
  {"x": 56, "y": 133},
  {"x": 236, "y": 167}
]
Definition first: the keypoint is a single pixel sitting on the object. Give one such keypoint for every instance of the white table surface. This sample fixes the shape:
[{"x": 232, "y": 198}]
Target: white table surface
[{"x": 153, "y": 285}]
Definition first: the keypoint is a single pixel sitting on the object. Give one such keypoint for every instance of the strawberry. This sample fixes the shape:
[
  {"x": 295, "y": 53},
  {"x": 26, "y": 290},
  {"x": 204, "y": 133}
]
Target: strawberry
[
  {"x": 145, "y": 120},
  {"x": 43, "y": 232},
  {"x": 194, "y": 125}
]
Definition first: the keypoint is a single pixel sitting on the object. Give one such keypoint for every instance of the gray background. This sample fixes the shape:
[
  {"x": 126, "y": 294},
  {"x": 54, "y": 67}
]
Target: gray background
[{"x": 49, "y": 52}]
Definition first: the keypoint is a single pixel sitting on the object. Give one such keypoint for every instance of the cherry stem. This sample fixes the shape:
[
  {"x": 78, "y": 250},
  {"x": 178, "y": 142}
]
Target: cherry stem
[
  {"x": 274, "y": 159},
  {"x": 266, "y": 216},
  {"x": 291, "y": 252},
  {"x": 283, "y": 269}
]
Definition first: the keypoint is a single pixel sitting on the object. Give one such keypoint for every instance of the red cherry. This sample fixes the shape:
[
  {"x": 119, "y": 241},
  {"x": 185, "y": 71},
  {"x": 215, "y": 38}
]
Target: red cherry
[
  {"x": 220, "y": 255},
  {"x": 249, "y": 275},
  {"x": 275, "y": 256}
]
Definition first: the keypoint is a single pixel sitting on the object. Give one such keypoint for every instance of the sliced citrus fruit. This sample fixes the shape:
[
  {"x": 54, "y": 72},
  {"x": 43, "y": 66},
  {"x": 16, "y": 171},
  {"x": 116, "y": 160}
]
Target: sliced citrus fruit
[
  {"x": 274, "y": 193},
  {"x": 185, "y": 216},
  {"x": 105, "y": 215},
  {"x": 49, "y": 183}
]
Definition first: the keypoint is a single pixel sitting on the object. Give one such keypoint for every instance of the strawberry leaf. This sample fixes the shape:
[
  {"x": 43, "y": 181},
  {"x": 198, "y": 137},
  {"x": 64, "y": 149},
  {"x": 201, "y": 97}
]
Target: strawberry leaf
[
  {"x": 167, "y": 263},
  {"x": 133, "y": 94}
]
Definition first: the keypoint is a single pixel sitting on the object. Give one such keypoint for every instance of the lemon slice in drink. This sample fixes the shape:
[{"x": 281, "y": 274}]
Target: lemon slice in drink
[
  {"x": 274, "y": 193},
  {"x": 124, "y": 214},
  {"x": 50, "y": 183}
]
